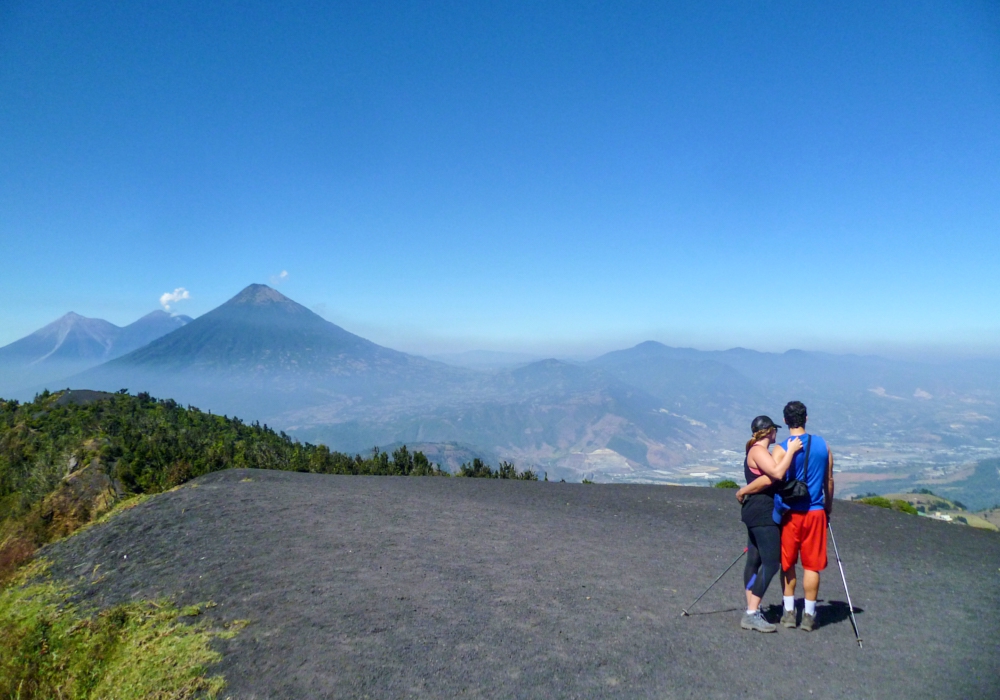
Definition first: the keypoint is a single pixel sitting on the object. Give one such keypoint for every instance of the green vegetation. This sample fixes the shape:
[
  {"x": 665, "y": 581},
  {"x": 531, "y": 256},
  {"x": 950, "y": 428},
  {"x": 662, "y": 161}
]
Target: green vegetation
[
  {"x": 896, "y": 504},
  {"x": 727, "y": 484},
  {"x": 123, "y": 445},
  {"x": 50, "y": 649},
  {"x": 586, "y": 481},
  {"x": 506, "y": 470}
]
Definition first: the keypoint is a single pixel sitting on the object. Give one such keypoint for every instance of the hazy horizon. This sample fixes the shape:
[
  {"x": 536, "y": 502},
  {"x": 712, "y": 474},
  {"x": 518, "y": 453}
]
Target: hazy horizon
[{"x": 418, "y": 342}]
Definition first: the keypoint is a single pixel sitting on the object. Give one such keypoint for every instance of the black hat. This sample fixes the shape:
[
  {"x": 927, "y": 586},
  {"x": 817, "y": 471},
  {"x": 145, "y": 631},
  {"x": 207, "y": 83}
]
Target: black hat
[{"x": 762, "y": 423}]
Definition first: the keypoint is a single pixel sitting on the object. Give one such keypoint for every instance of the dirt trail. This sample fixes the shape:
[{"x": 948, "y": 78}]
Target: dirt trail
[{"x": 392, "y": 587}]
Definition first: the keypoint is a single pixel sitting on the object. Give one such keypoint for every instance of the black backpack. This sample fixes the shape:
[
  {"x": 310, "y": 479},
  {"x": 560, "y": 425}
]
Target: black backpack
[{"x": 796, "y": 491}]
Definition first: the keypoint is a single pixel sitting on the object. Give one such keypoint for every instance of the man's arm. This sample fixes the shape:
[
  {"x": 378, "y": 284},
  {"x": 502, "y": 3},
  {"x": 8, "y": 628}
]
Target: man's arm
[{"x": 828, "y": 500}]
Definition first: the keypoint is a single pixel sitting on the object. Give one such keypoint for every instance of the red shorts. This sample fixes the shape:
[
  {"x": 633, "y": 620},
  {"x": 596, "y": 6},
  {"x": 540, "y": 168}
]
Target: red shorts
[{"x": 804, "y": 533}]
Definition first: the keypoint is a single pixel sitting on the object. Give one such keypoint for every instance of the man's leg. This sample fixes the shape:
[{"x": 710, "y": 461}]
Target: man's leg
[
  {"x": 789, "y": 555},
  {"x": 788, "y": 598},
  {"x": 813, "y": 561},
  {"x": 810, "y": 582},
  {"x": 789, "y": 576}
]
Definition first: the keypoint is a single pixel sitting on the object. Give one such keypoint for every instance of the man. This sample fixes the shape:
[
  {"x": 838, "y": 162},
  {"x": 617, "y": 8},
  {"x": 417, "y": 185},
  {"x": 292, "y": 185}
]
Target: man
[{"x": 804, "y": 522}]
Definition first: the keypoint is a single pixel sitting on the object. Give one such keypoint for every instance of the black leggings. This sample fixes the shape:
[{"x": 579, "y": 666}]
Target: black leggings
[{"x": 763, "y": 558}]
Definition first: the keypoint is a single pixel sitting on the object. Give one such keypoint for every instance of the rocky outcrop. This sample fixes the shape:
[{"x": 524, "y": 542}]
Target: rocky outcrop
[{"x": 82, "y": 496}]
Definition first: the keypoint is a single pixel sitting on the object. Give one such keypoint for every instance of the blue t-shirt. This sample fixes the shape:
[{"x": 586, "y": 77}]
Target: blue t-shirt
[{"x": 814, "y": 476}]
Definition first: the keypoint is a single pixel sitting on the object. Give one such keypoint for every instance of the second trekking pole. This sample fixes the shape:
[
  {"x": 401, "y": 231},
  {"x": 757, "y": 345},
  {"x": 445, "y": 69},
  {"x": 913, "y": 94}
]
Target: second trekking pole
[
  {"x": 685, "y": 612},
  {"x": 849, "y": 603}
]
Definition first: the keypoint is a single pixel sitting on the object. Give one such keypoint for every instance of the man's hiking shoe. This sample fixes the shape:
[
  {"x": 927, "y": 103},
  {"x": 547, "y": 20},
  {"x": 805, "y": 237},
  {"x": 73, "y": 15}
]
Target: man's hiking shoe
[
  {"x": 756, "y": 621},
  {"x": 788, "y": 619},
  {"x": 808, "y": 622}
]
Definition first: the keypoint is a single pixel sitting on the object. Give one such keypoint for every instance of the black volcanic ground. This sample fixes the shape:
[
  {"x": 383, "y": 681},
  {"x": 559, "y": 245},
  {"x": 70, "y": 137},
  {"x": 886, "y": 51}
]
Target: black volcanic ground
[{"x": 389, "y": 587}]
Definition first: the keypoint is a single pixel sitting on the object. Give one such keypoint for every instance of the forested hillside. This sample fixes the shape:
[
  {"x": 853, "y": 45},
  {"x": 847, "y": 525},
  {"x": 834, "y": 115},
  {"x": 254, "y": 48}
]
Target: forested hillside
[
  {"x": 150, "y": 445},
  {"x": 67, "y": 457}
]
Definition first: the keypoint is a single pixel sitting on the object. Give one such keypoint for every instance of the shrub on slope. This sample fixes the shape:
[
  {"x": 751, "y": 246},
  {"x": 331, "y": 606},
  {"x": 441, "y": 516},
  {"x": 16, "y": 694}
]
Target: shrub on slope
[
  {"x": 505, "y": 470},
  {"x": 895, "y": 504}
]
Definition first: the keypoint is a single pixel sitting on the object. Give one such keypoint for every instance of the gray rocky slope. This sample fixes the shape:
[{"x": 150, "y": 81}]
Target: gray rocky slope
[{"x": 389, "y": 587}]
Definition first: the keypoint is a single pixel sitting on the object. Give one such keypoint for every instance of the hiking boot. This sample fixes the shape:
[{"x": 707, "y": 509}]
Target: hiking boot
[
  {"x": 756, "y": 621},
  {"x": 808, "y": 622},
  {"x": 788, "y": 619}
]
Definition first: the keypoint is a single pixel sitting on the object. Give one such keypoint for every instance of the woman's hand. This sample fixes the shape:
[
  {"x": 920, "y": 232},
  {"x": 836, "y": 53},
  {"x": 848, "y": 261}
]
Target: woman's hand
[
  {"x": 740, "y": 495},
  {"x": 794, "y": 445}
]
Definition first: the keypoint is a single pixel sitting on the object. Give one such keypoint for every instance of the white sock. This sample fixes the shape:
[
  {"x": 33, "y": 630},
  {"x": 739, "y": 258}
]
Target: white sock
[
  {"x": 810, "y": 607},
  {"x": 751, "y": 612},
  {"x": 789, "y": 602}
]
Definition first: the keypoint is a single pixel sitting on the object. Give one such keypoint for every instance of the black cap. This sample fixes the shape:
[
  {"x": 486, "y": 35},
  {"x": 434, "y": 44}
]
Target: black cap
[{"x": 762, "y": 423}]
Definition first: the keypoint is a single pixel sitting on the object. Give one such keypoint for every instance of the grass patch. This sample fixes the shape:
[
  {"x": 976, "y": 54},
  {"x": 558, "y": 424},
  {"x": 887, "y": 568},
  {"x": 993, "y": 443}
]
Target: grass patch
[
  {"x": 125, "y": 504},
  {"x": 727, "y": 484},
  {"x": 895, "y": 504},
  {"x": 49, "y": 648}
]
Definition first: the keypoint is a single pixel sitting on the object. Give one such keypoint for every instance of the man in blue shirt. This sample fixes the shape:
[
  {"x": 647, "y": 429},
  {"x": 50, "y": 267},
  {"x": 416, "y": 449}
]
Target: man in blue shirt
[{"x": 804, "y": 522}]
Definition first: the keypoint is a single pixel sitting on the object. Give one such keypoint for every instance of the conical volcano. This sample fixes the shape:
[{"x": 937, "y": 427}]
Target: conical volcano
[
  {"x": 260, "y": 354},
  {"x": 261, "y": 331}
]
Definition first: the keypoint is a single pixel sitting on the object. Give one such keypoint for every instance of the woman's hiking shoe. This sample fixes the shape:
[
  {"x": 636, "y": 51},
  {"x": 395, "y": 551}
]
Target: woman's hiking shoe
[
  {"x": 756, "y": 621},
  {"x": 808, "y": 622},
  {"x": 788, "y": 619}
]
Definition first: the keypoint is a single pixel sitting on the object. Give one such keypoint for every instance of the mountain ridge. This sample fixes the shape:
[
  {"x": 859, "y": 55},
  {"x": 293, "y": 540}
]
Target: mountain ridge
[{"x": 73, "y": 343}]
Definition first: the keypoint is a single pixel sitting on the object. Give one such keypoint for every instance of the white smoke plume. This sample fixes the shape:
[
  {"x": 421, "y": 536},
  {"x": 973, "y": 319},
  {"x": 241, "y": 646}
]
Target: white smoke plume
[
  {"x": 173, "y": 297},
  {"x": 278, "y": 279}
]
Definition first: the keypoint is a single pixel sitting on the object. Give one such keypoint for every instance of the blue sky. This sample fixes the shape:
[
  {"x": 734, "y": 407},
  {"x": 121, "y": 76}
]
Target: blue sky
[{"x": 550, "y": 177}]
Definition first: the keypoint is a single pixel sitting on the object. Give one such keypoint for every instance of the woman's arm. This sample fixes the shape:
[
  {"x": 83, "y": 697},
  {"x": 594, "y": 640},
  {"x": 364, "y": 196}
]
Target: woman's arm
[
  {"x": 755, "y": 486},
  {"x": 760, "y": 458}
]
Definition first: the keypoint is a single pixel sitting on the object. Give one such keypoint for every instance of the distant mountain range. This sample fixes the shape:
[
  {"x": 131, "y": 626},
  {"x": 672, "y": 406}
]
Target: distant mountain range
[
  {"x": 74, "y": 343},
  {"x": 650, "y": 411}
]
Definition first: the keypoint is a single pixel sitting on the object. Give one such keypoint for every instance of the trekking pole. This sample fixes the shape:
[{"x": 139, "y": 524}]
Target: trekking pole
[
  {"x": 685, "y": 612},
  {"x": 849, "y": 603}
]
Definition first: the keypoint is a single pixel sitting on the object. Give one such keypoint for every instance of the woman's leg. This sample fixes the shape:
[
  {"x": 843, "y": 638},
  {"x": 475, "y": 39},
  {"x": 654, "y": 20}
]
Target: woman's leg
[
  {"x": 751, "y": 571},
  {"x": 768, "y": 541}
]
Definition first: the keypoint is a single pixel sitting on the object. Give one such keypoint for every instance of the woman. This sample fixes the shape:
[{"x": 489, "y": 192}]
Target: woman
[{"x": 763, "y": 475}]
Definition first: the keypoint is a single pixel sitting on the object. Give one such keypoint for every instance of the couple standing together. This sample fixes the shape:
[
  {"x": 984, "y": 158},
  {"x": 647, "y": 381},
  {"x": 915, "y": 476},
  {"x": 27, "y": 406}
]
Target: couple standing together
[{"x": 785, "y": 519}]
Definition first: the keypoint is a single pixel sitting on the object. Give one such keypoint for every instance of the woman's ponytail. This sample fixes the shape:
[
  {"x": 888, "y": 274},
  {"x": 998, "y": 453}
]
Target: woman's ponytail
[{"x": 757, "y": 437}]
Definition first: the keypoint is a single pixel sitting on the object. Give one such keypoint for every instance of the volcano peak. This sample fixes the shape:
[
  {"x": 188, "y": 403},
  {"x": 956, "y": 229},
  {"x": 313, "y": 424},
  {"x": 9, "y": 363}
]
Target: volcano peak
[{"x": 259, "y": 294}]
